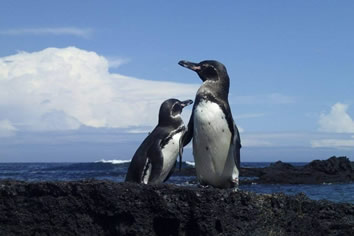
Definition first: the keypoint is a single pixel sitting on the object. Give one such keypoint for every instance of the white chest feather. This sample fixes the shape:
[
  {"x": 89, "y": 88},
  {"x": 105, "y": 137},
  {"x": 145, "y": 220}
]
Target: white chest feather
[
  {"x": 170, "y": 152},
  {"x": 212, "y": 143}
]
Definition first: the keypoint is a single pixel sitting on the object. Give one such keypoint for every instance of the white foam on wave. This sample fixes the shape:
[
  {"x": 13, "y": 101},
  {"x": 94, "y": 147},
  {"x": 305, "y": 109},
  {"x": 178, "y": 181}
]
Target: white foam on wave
[
  {"x": 114, "y": 161},
  {"x": 191, "y": 163}
]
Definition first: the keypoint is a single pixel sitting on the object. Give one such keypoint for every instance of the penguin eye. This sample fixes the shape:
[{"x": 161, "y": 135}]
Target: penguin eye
[
  {"x": 176, "y": 109},
  {"x": 210, "y": 73}
]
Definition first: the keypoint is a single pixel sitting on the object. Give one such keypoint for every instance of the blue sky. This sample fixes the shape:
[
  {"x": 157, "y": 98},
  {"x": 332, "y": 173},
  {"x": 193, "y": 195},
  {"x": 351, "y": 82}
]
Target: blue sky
[{"x": 83, "y": 81}]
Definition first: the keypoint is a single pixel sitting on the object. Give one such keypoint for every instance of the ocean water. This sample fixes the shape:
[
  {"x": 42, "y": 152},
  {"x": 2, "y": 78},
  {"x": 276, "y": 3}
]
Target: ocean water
[{"x": 115, "y": 170}]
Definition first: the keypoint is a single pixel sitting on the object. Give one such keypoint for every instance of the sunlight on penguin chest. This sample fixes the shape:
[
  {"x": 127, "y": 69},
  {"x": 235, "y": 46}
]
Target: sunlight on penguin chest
[
  {"x": 170, "y": 152},
  {"x": 211, "y": 140},
  {"x": 210, "y": 119}
]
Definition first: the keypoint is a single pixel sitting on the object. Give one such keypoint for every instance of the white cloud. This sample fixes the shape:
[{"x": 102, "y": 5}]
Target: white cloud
[
  {"x": 6, "y": 129},
  {"x": 249, "y": 115},
  {"x": 337, "y": 121},
  {"x": 275, "y": 139},
  {"x": 278, "y": 98},
  {"x": 333, "y": 143},
  {"x": 272, "y": 98},
  {"x": 256, "y": 143},
  {"x": 114, "y": 62},
  {"x": 79, "y": 32},
  {"x": 140, "y": 131},
  {"x": 61, "y": 89},
  {"x": 297, "y": 139}
]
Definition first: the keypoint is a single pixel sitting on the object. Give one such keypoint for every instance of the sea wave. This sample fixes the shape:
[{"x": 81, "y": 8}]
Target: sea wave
[
  {"x": 113, "y": 161},
  {"x": 191, "y": 163}
]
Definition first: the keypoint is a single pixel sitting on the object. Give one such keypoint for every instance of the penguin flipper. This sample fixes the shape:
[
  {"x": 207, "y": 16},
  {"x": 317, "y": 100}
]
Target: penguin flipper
[
  {"x": 180, "y": 153},
  {"x": 236, "y": 141},
  {"x": 156, "y": 157},
  {"x": 137, "y": 168},
  {"x": 188, "y": 135}
]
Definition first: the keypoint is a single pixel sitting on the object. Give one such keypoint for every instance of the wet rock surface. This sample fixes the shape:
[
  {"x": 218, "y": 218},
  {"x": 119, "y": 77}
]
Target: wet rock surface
[{"x": 109, "y": 208}]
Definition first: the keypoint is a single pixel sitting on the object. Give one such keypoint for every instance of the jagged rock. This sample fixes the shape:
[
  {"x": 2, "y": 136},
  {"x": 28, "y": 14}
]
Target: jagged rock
[
  {"x": 108, "y": 208},
  {"x": 333, "y": 170},
  {"x": 332, "y": 166},
  {"x": 281, "y": 165}
]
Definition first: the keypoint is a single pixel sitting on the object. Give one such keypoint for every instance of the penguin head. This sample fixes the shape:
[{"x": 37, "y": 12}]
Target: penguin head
[
  {"x": 170, "y": 111},
  {"x": 208, "y": 70}
]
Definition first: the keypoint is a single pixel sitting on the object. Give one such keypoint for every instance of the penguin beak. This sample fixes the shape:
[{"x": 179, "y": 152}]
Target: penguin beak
[
  {"x": 186, "y": 103},
  {"x": 190, "y": 65}
]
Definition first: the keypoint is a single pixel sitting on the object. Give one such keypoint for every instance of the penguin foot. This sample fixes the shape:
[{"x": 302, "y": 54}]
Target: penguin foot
[{"x": 234, "y": 183}]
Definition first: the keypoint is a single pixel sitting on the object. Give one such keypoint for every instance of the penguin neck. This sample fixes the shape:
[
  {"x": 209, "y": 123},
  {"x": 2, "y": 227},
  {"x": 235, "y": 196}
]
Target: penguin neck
[
  {"x": 172, "y": 122},
  {"x": 216, "y": 89}
]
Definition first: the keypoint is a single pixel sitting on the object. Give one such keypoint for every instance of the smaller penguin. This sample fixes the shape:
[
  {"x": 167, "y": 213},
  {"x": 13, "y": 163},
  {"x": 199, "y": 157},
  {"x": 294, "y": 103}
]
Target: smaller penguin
[{"x": 154, "y": 161}]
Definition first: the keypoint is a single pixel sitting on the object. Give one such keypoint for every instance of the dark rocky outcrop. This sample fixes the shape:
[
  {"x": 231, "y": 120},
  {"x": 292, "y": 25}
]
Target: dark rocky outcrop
[
  {"x": 108, "y": 208},
  {"x": 333, "y": 170}
]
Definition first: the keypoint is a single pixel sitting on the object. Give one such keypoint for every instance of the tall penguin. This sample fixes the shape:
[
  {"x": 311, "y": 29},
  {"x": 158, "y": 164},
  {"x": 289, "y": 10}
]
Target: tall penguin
[
  {"x": 216, "y": 140},
  {"x": 154, "y": 160}
]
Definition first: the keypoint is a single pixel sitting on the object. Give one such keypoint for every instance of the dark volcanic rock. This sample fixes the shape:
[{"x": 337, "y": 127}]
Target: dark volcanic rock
[
  {"x": 332, "y": 166},
  {"x": 108, "y": 208},
  {"x": 333, "y": 170}
]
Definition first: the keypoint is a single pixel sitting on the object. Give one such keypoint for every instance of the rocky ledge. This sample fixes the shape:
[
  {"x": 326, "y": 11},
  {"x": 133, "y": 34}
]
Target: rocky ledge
[{"x": 108, "y": 208}]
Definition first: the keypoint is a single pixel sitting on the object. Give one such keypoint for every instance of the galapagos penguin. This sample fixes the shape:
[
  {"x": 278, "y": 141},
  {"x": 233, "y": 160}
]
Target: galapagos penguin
[
  {"x": 154, "y": 161},
  {"x": 216, "y": 139}
]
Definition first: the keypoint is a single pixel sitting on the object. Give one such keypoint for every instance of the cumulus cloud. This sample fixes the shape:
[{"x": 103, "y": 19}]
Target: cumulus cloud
[
  {"x": 63, "y": 89},
  {"x": 114, "y": 62},
  {"x": 337, "y": 120},
  {"x": 79, "y": 32}
]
